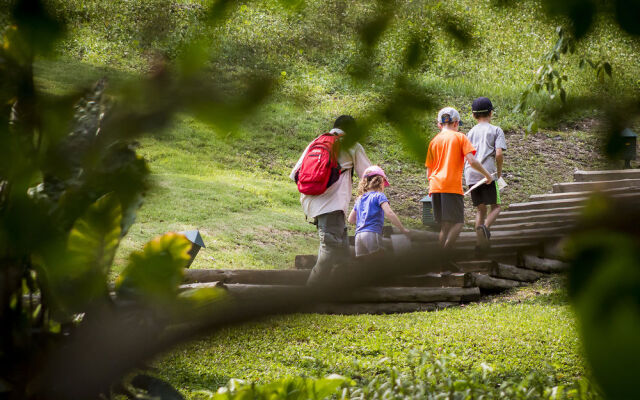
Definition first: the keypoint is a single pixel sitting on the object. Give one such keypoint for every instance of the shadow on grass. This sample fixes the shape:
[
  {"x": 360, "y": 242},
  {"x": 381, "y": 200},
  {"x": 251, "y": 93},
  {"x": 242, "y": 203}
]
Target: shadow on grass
[{"x": 547, "y": 291}]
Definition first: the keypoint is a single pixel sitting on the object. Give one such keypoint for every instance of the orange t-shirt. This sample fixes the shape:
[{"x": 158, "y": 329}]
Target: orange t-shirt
[{"x": 445, "y": 160}]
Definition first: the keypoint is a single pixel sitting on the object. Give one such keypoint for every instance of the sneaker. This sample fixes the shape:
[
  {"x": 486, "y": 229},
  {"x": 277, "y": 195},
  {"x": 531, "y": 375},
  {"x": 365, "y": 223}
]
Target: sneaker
[{"x": 483, "y": 235}]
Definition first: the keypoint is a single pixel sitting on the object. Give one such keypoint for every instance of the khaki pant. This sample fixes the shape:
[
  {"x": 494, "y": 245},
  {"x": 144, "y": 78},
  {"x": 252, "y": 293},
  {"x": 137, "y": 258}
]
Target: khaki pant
[{"x": 333, "y": 252}]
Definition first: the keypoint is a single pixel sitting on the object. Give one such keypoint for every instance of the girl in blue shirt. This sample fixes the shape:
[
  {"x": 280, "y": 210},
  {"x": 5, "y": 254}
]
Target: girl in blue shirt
[{"x": 369, "y": 211}]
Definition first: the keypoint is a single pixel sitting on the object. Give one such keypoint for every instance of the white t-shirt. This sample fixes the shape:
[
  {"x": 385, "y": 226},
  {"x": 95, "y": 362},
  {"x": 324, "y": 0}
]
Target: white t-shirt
[
  {"x": 337, "y": 196},
  {"x": 486, "y": 138}
]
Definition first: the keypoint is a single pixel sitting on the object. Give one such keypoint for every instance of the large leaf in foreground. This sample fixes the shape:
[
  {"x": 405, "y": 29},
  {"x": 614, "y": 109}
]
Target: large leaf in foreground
[
  {"x": 77, "y": 276},
  {"x": 156, "y": 272}
]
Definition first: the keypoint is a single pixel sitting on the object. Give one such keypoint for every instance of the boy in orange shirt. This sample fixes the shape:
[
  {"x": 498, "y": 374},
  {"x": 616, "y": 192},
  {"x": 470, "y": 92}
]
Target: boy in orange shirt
[{"x": 445, "y": 162}]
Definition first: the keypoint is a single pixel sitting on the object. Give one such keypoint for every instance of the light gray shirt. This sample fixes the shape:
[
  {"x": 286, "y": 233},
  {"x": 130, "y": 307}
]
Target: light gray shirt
[
  {"x": 486, "y": 138},
  {"x": 338, "y": 195}
]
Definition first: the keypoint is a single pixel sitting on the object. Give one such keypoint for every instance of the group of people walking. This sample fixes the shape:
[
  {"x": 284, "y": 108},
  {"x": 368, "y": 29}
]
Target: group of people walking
[{"x": 324, "y": 173}]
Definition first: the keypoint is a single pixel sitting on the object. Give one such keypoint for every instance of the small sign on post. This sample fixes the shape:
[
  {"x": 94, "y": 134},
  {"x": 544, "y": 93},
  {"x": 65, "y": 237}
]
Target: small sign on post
[{"x": 196, "y": 244}]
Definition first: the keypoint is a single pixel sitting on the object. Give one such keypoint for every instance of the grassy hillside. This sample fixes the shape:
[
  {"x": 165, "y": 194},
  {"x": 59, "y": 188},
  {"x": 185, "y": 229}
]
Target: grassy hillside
[{"x": 233, "y": 186}]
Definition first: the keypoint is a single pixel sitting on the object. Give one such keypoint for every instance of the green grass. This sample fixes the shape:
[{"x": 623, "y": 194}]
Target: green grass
[{"x": 528, "y": 330}]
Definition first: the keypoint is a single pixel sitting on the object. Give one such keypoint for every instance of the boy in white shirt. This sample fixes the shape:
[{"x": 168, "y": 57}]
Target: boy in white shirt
[{"x": 490, "y": 143}]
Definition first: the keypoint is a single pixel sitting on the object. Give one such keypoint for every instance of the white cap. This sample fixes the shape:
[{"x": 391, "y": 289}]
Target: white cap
[{"x": 452, "y": 114}]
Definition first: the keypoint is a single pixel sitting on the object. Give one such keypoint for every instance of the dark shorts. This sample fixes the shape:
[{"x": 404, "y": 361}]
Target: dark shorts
[
  {"x": 448, "y": 207},
  {"x": 485, "y": 194}
]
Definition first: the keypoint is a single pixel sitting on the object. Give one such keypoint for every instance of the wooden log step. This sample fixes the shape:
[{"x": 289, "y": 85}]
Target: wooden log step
[
  {"x": 379, "y": 308},
  {"x": 250, "y": 276},
  {"x": 577, "y": 201},
  {"x": 299, "y": 277},
  {"x": 562, "y": 223},
  {"x": 470, "y": 266},
  {"x": 202, "y": 285},
  {"x": 455, "y": 279},
  {"x": 554, "y": 251},
  {"x": 544, "y": 264},
  {"x": 573, "y": 195},
  {"x": 506, "y": 271},
  {"x": 538, "y": 213},
  {"x": 570, "y": 216},
  {"x": 372, "y": 294},
  {"x": 546, "y": 204},
  {"x": 595, "y": 185},
  {"x": 610, "y": 175},
  {"x": 488, "y": 283}
]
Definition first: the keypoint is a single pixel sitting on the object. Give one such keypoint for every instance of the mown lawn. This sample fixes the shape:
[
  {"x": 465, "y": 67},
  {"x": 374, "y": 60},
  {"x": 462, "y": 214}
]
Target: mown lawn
[{"x": 528, "y": 330}]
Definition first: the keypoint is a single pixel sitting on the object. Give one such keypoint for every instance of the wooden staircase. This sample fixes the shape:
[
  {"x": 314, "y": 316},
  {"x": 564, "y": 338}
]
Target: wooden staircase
[{"x": 525, "y": 246}]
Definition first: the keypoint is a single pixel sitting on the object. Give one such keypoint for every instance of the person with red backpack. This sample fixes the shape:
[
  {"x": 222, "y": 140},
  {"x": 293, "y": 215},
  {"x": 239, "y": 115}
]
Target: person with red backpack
[{"x": 324, "y": 178}]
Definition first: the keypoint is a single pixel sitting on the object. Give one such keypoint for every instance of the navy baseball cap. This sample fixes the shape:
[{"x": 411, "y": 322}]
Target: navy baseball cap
[{"x": 481, "y": 104}]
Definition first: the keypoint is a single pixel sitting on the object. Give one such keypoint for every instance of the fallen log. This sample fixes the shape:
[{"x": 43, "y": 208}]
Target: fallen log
[
  {"x": 544, "y": 264},
  {"x": 375, "y": 294},
  {"x": 488, "y": 283},
  {"x": 609, "y": 175},
  {"x": 378, "y": 308},
  {"x": 514, "y": 273}
]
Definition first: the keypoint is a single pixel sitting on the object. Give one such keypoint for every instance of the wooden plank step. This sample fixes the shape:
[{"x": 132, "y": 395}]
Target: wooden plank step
[
  {"x": 594, "y": 185},
  {"x": 573, "y": 195},
  {"x": 610, "y": 175}
]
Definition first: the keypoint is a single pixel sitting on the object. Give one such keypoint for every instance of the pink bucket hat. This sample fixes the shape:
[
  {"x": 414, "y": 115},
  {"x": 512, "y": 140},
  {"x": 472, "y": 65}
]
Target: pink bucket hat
[{"x": 375, "y": 170}]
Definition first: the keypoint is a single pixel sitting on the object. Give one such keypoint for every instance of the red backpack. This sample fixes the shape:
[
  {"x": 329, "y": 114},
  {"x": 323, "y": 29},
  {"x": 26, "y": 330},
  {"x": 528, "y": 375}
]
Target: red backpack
[{"x": 319, "y": 168}]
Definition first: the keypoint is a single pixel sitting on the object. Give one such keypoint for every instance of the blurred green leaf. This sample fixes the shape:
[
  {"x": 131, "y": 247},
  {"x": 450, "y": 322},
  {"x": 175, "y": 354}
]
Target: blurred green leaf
[
  {"x": 156, "y": 272},
  {"x": 77, "y": 275}
]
